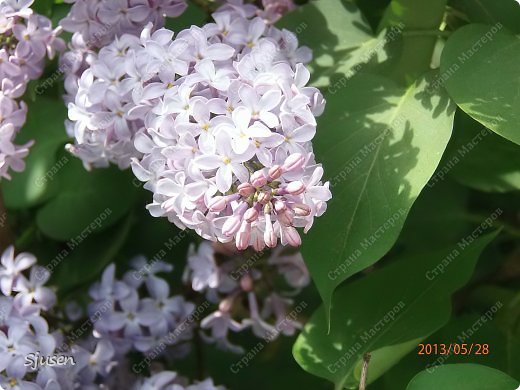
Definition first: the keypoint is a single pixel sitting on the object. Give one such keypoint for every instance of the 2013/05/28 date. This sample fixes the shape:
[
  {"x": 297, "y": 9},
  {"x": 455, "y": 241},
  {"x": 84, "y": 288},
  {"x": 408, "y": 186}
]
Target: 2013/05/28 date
[{"x": 454, "y": 348}]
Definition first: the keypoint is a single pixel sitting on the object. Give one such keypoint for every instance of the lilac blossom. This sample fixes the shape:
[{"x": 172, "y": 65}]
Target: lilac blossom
[
  {"x": 218, "y": 123},
  {"x": 26, "y": 40},
  {"x": 245, "y": 285}
]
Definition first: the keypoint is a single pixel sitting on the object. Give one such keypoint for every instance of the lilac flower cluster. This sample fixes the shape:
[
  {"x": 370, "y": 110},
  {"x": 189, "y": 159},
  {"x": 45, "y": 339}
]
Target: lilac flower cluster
[
  {"x": 168, "y": 380},
  {"x": 96, "y": 24},
  {"x": 97, "y": 361},
  {"x": 23, "y": 331},
  {"x": 26, "y": 40},
  {"x": 241, "y": 286},
  {"x": 219, "y": 122},
  {"x": 132, "y": 322}
]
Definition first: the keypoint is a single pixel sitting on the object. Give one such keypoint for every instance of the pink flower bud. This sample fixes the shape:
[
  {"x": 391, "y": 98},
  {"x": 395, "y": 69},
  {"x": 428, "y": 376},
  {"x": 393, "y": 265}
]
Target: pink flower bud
[
  {"x": 269, "y": 234},
  {"x": 231, "y": 225},
  {"x": 286, "y": 218},
  {"x": 217, "y": 204},
  {"x": 251, "y": 215},
  {"x": 258, "y": 179},
  {"x": 275, "y": 172},
  {"x": 293, "y": 162},
  {"x": 295, "y": 188},
  {"x": 246, "y": 189},
  {"x": 243, "y": 236},
  {"x": 246, "y": 283},
  {"x": 301, "y": 210},
  {"x": 291, "y": 235},
  {"x": 279, "y": 206},
  {"x": 264, "y": 197},
  {"x": 257, "y": 241}
]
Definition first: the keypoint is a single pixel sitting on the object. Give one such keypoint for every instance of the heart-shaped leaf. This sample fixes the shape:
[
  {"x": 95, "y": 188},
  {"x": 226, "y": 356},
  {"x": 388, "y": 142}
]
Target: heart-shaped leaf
[
  {"x": 386, "y": 313},
  {"x": 479, "y": 67},
  {"x": 462, "y": 377},
  {"x": 86, "y": 202},
  {"x": 379, "y": 144}
]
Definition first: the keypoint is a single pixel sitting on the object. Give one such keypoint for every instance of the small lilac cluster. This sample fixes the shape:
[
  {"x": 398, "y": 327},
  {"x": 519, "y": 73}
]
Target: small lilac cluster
[
  {"x": 168, "y": 380},
  {"x": 94, "y": 358},
  {"x": 23, "y": 331},
  {"x": 241, "y": 286},
  {"x": 219, "y": 122},
  {"x": 96, "y": 24},
  {"x": 132, "y": 322},
  {"x": 26, "y": 40}
]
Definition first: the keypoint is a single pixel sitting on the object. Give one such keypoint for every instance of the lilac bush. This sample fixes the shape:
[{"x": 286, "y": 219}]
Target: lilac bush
[{"x": 26, "y": 40}]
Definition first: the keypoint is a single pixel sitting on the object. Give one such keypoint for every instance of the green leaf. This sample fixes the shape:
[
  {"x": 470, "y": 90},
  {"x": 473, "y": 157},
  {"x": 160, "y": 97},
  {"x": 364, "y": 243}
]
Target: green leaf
[
  {"x": 490, "y": 12},
  {"x": 45, "y": 126},
  {"x": 338, "y": 35},
  {"x": 86, "y": 202},
  {"x": 417, "y": 19},
  {"x": 479, "y": 67},
  {"x": 379, "y": 145},
  {"x": 483, "y": 160},
  {"x": 193, "y": 15},
  {"x": 43, "y": 7},
  {"x": 387, "y": 311},
  {"x": 82, "y": 262},
  {"x": 463, "y": 377},
  {"x": 436, "y": 213}
]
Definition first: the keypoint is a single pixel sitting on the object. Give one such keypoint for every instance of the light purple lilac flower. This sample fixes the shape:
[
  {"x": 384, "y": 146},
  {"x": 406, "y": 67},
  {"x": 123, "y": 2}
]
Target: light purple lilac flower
[
  {"x": 96, "y": 24},
  {"x": 218, "y": 122},
  {"x": 238, "y": 284},
  {"x": 26, "y": 40},
  {"x": 132, "y": 321}
]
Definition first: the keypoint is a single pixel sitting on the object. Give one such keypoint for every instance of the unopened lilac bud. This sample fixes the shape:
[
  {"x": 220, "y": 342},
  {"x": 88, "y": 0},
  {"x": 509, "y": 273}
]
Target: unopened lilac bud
[
  {"x": 275, "y": 172},
  {"x": 258, "y": 179},
  {"x": 293, "y": 162},
  {"x": 264, "y": 197},
  {"x": 246, "y": 283},
  {"x": 251, "y": 215},
  {"x": 269, "y": 234},
  {"x": 246, "y": 189},
  {"x": 279, "y": 206},
  {"x": 231, "y": 225},
  {"x": 217, "y": 204},
  {"x": 286, "y": 218},
  {"x": 301, "y": 210},
  {"x": 292, "y": 236},
  {"x": 295, "y": 188},
  {"x": 243, "y": 235}
]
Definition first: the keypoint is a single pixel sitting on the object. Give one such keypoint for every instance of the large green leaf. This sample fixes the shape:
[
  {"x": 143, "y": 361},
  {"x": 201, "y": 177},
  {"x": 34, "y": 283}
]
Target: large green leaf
[
  {"x": 463, "y": 377},
  {"x": 480, "y": 67},
  {"x": 379, "y": 145},
  {"x": 339, "y": 37},
  {"x": 417, "y": 19},
  {"x": 75, "y": 265},
  {"x": 45, "y": 126},
  {"x": 491, "y": 12},
  {"x": 481, "y": 159},
  {"x": 386, "y": 313},
  {"x": 86, "y": 202}
]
